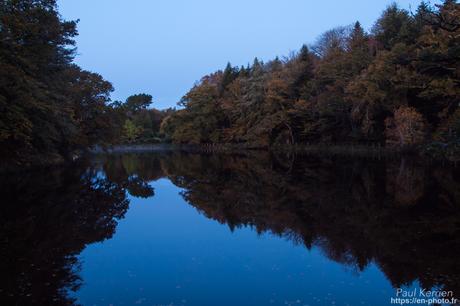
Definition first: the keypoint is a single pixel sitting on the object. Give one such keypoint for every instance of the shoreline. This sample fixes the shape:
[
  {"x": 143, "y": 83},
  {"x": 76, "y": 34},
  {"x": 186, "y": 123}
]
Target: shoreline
[
  {"x": 442, "y": 154},
  {"x": 352, "y": 150}
]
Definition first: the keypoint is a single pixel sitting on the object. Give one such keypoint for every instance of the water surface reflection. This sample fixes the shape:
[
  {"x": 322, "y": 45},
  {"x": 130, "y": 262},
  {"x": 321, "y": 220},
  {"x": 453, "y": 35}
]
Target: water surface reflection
[{"x": 298, "y": 230}]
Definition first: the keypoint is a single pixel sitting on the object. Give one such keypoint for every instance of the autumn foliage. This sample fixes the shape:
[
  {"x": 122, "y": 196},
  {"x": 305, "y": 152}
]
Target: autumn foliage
[{"x": 397, "y": 84}]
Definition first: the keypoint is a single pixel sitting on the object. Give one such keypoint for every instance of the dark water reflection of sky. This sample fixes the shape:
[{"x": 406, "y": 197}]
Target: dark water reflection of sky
[{"x": 166, "y": 253}]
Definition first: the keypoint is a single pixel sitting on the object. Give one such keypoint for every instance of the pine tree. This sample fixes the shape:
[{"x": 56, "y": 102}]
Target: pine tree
[
  {"x": 228, "y": 76},
  {"x": 359, "y": 54}
]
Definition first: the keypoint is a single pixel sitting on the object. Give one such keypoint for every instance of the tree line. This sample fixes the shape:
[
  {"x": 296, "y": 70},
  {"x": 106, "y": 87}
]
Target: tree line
[{"x": 397, "y": 85}]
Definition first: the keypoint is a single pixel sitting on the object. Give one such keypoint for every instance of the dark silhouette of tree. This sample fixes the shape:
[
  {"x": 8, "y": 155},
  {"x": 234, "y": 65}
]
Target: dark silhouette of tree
[{"x": 137, "y": 102}]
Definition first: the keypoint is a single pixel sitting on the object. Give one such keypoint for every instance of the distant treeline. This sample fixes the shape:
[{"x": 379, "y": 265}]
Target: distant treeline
[
  {"x": 50, "y": 107},
  {"x": 397, "y": 85}
]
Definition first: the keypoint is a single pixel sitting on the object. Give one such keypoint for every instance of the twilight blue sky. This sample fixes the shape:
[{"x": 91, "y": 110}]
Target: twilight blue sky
[{"x": 161, "y": 47}]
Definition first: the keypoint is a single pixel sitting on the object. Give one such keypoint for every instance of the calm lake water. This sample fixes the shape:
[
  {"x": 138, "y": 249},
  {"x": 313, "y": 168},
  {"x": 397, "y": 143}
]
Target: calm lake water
[{"x": 174, "y": 228}]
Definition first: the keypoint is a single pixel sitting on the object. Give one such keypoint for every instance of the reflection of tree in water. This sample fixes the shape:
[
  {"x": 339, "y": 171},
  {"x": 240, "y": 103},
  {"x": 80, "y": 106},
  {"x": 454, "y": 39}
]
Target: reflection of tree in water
[
  {"x": 132, "y": 173},
  {"x": 402, "y": 215},
  {"x": 47, "y": 220}
]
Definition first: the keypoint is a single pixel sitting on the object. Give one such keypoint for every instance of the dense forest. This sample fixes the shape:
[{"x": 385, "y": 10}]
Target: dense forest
[
  {"x": 397, "y": 85},
  {"x": 49, "y": 107}
]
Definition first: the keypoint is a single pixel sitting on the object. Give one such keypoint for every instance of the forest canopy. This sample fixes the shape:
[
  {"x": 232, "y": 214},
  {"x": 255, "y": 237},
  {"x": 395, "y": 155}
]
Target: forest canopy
[{"x": 396, "y": 85}]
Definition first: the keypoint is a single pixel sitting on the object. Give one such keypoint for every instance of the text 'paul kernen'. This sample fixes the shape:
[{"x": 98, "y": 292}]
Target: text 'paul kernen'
[{"x": 423, "y": 296}]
